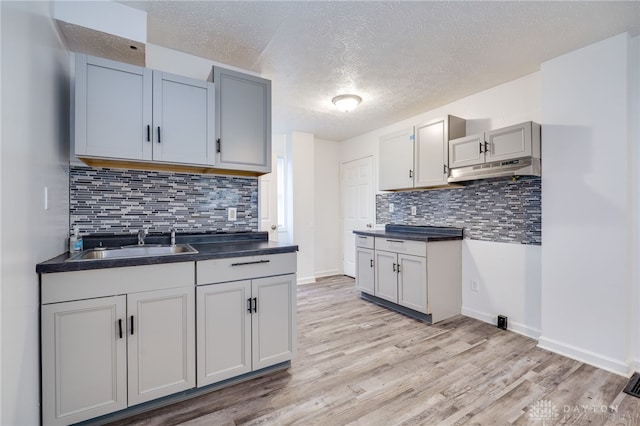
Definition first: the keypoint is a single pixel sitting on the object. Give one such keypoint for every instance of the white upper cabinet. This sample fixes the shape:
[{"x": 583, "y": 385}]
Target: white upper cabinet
[
  {"x": 125, "y": 112},
  {"x": 396, "y": 160},
  {"x": 112, "y": 109},
  {"x": 243, "y": 121},
  {"x": 507, "y": 143},
  {"x": 407, "y": 163},
  {"x": 510, "y": 142},
  {"x": 431, "y": 153},
  {"x": 466, "y": 151}
]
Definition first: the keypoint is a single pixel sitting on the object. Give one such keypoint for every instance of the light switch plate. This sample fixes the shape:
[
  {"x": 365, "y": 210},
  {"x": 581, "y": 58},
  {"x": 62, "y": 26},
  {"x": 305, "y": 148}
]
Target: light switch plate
[{"x": 232, "y": 213}]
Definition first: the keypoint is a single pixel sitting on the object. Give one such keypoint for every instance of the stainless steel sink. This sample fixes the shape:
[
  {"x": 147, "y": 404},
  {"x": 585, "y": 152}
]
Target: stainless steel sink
[{"x": 132, "y": 251}]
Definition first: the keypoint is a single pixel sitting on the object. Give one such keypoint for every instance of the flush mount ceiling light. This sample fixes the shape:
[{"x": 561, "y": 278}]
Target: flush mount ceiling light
[{"x": 346, "y": 103}]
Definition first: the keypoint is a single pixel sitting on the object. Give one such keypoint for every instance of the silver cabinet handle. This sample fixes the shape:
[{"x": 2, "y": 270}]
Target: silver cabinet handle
[
  {"x": 273, "y": 227},
  {"x": 369, "y": 225},
  {"x": 395, "y": 241}
]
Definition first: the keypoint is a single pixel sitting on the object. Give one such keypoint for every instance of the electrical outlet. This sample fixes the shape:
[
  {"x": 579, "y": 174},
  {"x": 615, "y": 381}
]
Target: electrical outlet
[
  {"x": 413, "y": 210},
  {"x": 475, "y": 285},
  {"x": 232, "y": 213},
  {"x": 391, "y": 208}
]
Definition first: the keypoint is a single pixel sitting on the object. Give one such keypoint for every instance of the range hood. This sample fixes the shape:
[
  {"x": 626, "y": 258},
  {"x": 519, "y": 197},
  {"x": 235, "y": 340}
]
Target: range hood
[{"x": 528, "y": 166}]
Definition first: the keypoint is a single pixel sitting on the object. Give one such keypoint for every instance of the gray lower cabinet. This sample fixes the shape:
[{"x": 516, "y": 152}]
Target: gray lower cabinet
[
  {"x": 248, "y": 322},
  {"x": 365, "y": 264},
  {"x": 422, "y": 276},
  {"x": 243, "y": 121},
  {"x": 115, "y": 338}
]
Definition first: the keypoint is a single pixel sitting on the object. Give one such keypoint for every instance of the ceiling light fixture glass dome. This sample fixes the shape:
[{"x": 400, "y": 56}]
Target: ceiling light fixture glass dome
[{"x": 346, "y": 103}]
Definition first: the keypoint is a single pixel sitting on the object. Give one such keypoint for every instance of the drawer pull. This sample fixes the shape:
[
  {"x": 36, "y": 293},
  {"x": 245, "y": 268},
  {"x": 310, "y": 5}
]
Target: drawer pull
[
  {"x": 395, "y": 241},
  {"x": 362, "y": 236},
  {"x": 255, "y": 262},
  {"x": 249, "y": 305},
  {"x": 255, "y": 304},
  {"x": 120, "y": 327},
  {"x": 132, "y": 325}
]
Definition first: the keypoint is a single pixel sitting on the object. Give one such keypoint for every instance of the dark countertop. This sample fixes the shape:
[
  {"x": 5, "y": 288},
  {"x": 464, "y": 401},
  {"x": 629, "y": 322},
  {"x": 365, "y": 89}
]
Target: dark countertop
[
  {"x": 416, "y": 233},
  {"x": 209, "y": 246}
]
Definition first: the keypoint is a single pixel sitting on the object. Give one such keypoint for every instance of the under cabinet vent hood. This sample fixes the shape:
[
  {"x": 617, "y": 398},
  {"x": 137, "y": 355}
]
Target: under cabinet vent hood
[{"x": 519, "y": 167}]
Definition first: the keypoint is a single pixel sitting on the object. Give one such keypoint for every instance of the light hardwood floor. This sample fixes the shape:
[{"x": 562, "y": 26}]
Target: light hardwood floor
[{"x": 361, "y": 364}]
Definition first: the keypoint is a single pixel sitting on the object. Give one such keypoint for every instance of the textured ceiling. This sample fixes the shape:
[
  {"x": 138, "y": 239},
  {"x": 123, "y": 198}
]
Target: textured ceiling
[{"x": 402, "y": 58}]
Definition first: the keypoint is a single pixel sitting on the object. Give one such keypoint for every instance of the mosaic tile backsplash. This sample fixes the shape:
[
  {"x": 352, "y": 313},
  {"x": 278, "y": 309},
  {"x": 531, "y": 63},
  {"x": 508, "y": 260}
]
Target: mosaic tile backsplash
[
  {"x": 499, "y": 211},
  {"x": 116, "y": 201}
]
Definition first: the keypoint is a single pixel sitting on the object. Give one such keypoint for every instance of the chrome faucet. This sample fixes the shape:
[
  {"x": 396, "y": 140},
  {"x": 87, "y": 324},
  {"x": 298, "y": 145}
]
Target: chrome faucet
[
  {"x": 173, "y": 236},
  {"x": 141, "y": 234}
]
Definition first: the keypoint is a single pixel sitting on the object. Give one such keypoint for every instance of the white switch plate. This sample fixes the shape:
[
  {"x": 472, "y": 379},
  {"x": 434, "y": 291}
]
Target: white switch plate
[
  {"x": 232, "y": 213},
  {"x": 413, "y": 210},
  {"x": 475, "y": 285},
  {"x": 390, "y": 207}
]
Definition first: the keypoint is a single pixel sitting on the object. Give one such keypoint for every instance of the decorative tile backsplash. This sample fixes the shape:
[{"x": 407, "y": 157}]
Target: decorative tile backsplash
[
  {"x": 499, "y": 211},
  {"x": 123, "y": 201}
]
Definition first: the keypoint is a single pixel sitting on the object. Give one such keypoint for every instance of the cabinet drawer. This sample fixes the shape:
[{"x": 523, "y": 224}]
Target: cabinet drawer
[
  {"x": 364, "y": 241},
  {"x": 244, "y": 268},
  {"x": 76, "y": 285},
  {"x": 415, "y": 248}
]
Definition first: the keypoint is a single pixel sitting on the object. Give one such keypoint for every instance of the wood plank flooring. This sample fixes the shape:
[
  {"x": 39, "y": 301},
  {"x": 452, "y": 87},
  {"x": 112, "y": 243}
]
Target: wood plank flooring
[{"x": 360, "y": 364}]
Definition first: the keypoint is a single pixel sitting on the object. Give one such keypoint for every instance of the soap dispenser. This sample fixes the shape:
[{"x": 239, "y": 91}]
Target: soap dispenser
[{"x": 75, "y": 241}]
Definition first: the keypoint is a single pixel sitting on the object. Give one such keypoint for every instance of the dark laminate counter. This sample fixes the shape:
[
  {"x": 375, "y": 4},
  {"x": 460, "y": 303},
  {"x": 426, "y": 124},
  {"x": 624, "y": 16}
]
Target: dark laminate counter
[
  {"x": 209, "y": 246},
  {"x": 416, "y": 233}
]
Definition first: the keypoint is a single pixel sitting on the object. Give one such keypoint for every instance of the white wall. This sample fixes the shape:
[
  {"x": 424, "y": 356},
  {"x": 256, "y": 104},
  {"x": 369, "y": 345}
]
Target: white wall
[
  {"x": 35, "y": 137},
  {"x": 509, "y": 284},
  {"x": 586, "y": 215},
  {"x": 302, "y": 159},
  {"x": 509, "y": 274},
  {"x": 634, "y": 159},
  {"x": 327, "y": 208}
]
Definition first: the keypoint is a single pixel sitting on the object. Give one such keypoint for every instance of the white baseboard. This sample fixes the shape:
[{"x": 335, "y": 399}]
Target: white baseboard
[
  {"x": 328, "y": 273},
  {"x": 588, "y": 357},
  {"x": 516, "y": 327},
  {"x": 306, "y": 280}
]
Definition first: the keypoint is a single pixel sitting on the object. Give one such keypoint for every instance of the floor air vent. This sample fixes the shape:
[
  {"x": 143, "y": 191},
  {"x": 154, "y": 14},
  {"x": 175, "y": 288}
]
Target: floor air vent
[{"x": 633, "y": 387}]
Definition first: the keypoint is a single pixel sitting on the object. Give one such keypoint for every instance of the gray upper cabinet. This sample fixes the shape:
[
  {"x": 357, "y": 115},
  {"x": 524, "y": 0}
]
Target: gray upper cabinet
[
  {"x": 243, "y": 121},
  {"x": 507, "y": 143},
  {"x": 113, "y": 108},
  {"x": 396, "y": 160},
  {"x": 125, "y": 112},
  {"x": 183, "y": 120},
  {"x": 431, "y": 153}
]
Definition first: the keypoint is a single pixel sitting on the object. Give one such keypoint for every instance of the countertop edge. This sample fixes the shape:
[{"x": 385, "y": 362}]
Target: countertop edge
[
  {"x": 410, "y": 236},
  {"x": 59, "y": 263}
]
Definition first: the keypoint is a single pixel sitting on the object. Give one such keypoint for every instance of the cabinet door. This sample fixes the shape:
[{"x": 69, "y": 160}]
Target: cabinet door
[
  {"x": 112, "y": 109},
  {"x": 273, "y": 320},
  {"x": 224, "y": 331},
  {"x": 364, "y": 270},
  {"x": 466, "y": 151},
  {"x": 396, "y": 160},
  {"x": 412, "y": 282},
  {"x": 243, "y": 121},
  {"x": 183, "y": 117},
  {"x": 161, "y": 343},
  {"x": 386, "y": 275},
  {"x": 509, "y": 142},
  {"x": 84, "y": 361},
  {"x": 431, "y": 154}
]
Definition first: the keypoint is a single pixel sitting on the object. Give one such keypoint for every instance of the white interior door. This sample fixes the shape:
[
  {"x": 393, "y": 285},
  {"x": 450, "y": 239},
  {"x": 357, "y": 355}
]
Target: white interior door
[
  {"x": 269, "y": 201},
  {"x": 357, "y": 206}
]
